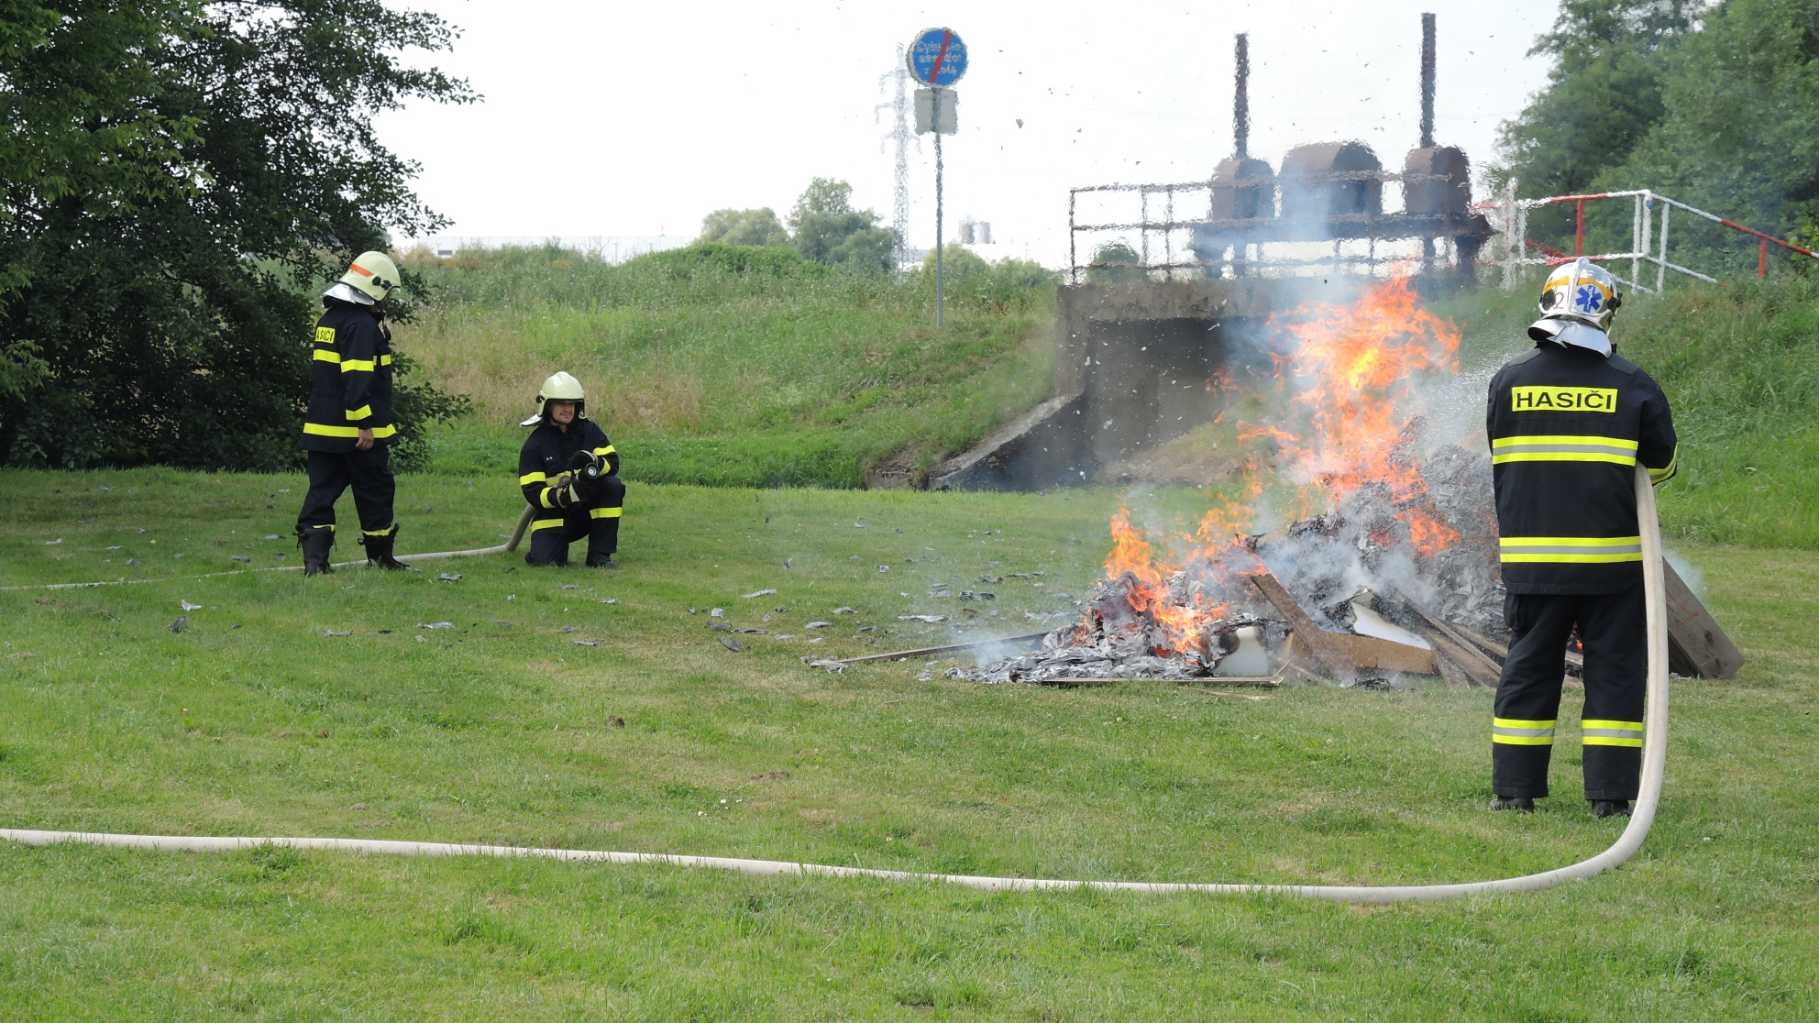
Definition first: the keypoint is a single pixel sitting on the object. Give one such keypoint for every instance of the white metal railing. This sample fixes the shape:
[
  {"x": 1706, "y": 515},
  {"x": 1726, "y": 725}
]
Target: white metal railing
[{"x": 1648, "y": 236}]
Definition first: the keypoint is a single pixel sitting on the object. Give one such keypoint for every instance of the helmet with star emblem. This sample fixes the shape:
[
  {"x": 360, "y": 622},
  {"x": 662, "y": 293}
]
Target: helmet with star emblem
[{"x": 1577, "y": 304}]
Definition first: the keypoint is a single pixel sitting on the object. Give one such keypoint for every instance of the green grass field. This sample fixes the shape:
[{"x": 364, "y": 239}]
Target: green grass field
[{"x": 260, "y": 717}]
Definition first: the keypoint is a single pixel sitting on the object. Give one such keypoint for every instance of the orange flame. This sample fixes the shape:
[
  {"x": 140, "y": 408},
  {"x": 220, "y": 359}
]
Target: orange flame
[{"x": 1346, "y": 392}]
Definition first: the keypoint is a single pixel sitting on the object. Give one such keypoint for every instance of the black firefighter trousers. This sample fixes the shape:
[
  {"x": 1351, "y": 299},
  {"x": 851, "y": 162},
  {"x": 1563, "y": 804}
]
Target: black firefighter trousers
[
  {"x": 369, "y": 472},
  {"x": 596, "y": 518},
  {"x": 1528, "y": 695}
]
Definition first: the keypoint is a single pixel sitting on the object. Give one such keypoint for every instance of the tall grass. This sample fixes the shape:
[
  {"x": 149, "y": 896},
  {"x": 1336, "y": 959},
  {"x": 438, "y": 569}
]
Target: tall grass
[{"x": 729, "y": 364}]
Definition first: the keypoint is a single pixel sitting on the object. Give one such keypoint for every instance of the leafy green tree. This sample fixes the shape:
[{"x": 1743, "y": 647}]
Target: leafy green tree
[
  {"x": 1738, "y": 138},
  {"x": 828, "y": 230},
  {"x": 177, "y": 175},
  {"x": 1604, "y": 92},
  {"x": 968, "y": 280},
  {"x": 744, "y": 227}
]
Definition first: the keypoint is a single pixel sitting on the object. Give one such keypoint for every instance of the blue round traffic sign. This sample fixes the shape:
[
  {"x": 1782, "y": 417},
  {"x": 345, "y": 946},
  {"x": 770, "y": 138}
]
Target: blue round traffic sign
[{"x": 937, "y": 57}]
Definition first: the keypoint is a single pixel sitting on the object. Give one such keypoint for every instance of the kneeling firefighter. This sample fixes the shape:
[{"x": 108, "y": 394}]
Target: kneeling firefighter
[
  {"x": 1569, "y": 422},
  {"x": 569, "y": 472},
  {"x": 347, "y": 429}
]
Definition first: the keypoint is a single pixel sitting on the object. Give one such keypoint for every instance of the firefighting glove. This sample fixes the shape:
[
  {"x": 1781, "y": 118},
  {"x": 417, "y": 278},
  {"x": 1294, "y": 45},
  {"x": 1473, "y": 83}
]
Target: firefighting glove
[{"x": 562, "y": 492}]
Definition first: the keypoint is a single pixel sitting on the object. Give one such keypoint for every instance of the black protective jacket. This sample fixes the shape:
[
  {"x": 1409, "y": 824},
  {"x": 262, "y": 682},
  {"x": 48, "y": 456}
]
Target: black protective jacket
[
  {"x": 1567, "y": 429},
  {"x": 350, "y": 384},
  {"x": 549, "y": 451}
]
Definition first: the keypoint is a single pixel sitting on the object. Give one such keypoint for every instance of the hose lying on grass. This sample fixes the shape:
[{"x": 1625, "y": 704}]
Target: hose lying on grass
[{"x": 1654, "y": 761}]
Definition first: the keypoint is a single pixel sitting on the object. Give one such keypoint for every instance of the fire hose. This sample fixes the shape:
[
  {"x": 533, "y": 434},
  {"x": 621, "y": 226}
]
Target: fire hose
[{"x": 1654, "y": 762}]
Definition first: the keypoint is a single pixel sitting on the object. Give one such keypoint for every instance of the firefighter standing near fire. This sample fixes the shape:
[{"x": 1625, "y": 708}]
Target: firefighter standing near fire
[
  {"x": 1569, "y": 422},
  {"x": 347, "y": 429},
  {"x": 569, "y": 472}
]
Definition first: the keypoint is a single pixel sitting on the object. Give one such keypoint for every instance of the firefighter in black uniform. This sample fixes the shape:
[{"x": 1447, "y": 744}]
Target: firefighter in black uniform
[
  {"x": 1569, "y": 422},
  {"x": 347, "y": 429},
  {"x": 569, "y": 472}
]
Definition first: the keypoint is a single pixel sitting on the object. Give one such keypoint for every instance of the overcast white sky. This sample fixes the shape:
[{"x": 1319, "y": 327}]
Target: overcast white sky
[{"x": 636, "y": 119}]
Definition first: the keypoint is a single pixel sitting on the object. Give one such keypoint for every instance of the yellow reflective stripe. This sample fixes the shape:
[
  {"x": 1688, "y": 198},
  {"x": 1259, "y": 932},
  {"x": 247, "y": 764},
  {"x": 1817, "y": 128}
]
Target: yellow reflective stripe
[
  {"x": 356, "y": 365},
  {"x": 323, "y": 430},
  {"x": 1607, "y": 442},
  {"x": 608, "y": 450},
  {"x": 326, "y": 355},
  {"x": 537, "y": 524},
  {"x": 354, "y": 415},
  {"x": 543, "y": 498},
  {"x": 1563, "y": 456},
  {"x": 1568, "y": 559},
  {"x": 1563, "y": 448},
  {"x": 1666, "y": 472},
  {"x": 385, "y": 360},
  {"x": 1522, "y": 732},
  {"x": 532, "y": 477},
  {"x": 605, "y": 513},
  {"x": 1613, "y": 726},
  {"x": 1606, "y": 740},
  {"x": 387, "y": 531},
  {"x": 1570, "y": 550},
  {"x": 1567, "y": 541}
]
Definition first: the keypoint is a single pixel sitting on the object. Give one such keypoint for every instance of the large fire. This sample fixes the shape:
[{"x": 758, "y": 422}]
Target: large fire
[{"x": 1342, "y": 402}]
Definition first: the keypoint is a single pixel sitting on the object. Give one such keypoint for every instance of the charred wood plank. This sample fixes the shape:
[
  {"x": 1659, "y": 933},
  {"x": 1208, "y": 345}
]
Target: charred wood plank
[
  {"x": 1318, "y": 644},
  {"x": 1385, "y": 654},
  {"x": 1453, "y": 644}
]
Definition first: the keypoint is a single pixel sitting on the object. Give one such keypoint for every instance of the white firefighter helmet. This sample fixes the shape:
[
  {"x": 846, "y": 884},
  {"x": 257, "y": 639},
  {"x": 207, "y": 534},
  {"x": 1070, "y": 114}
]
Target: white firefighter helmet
[
  {"x": 373, "y": 274},
  {"x": 1577, "y": 304},
  {"x": 558, "y": 386}
]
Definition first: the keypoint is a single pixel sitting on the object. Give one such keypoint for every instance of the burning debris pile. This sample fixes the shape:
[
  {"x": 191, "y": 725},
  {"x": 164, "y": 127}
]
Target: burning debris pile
[{"x": 1383, "y": 525}]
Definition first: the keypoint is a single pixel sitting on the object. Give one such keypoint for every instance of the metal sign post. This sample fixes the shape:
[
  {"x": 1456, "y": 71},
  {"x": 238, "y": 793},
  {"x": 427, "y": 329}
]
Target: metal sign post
[{"x": 937, "y": 59}]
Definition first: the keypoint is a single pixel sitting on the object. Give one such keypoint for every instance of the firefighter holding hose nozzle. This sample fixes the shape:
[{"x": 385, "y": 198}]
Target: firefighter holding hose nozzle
[
  {"x": 1568, "y": 423},
  {"x": 569, "y": 473}
]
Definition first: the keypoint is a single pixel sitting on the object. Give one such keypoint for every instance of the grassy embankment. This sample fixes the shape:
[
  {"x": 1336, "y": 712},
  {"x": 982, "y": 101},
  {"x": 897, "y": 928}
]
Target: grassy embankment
[
  {"x": 752, "y": 368},
  {"x": 260, "y": 717},
  {"x": 730, "y": 366}
]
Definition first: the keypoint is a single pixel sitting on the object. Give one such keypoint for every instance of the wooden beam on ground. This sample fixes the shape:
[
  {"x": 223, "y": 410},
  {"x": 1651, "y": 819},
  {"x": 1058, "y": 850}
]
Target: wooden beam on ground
[
  {"x": 1453, "y": 644},
  {"x": 1696, "y": 645},
  {"x": 1497, "y": 651},
  {"x": 929, "y": 651},
  {"x": 1316, "y": 643},
  {"x": 1385, "y": 654}
]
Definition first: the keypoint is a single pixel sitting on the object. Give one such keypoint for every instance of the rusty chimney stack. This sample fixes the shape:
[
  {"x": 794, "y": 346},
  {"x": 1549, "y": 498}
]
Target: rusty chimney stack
[
  {"x": 1427, "y": 81},
  {"x": 1241, "y": 101}
]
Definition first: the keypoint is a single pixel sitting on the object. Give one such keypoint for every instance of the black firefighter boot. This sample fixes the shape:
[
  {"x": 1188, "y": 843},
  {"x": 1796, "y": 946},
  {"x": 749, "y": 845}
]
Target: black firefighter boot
[
  {"x": 316, "y": 544},
  {"x": 379, "y": 552}
]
